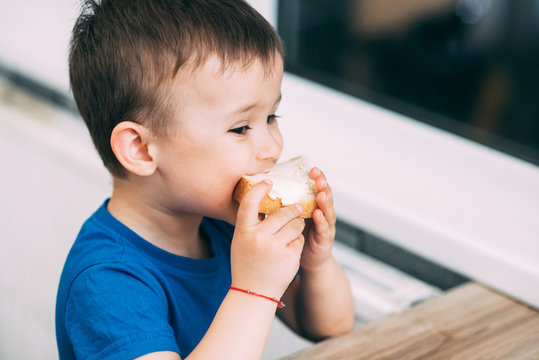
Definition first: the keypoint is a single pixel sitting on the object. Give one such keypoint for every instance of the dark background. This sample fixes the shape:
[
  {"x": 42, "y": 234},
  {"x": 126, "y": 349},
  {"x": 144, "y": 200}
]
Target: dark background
[{"x": 470, "y": 67}]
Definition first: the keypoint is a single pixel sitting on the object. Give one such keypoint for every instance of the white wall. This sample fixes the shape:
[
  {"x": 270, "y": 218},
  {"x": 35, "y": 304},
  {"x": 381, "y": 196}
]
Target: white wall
[
  {"x": 34, "y": 36},
  {"x": 47, "y": 189}
]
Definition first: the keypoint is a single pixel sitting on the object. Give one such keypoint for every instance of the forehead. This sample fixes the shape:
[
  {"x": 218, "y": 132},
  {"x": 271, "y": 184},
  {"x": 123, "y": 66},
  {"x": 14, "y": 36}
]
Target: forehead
[{"x": 226, "y": 86}]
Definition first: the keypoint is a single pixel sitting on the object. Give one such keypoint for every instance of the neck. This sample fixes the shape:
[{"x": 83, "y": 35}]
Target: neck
[{"x": 174, "y": 232}]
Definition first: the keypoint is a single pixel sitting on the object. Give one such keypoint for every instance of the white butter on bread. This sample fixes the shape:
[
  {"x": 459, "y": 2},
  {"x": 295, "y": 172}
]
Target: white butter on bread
[{"x": 291, "y": 185}]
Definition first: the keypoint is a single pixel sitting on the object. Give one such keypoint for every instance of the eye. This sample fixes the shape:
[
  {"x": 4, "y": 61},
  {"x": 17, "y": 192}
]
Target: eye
[
  {"x": 272, "y": 118},
  {"x": 242, "y": 130}
]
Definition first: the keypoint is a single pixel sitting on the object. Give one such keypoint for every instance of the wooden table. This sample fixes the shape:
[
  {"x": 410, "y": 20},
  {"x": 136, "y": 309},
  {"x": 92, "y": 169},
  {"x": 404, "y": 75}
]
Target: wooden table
[{"x": 468, "y": 322}]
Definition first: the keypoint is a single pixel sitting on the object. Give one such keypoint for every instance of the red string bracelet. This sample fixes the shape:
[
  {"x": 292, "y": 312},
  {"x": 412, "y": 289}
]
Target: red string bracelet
[{"x": 280, "y": 304}]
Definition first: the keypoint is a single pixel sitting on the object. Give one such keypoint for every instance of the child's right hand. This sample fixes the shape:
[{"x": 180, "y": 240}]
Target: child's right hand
[{"x": 265, "y": 253}]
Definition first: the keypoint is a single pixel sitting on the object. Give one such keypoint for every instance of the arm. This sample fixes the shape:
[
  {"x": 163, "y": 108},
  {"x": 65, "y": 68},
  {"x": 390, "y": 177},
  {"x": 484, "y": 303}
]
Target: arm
[
  {"x": 239, "y": 331},
  {"x": 265, "y": 256},
  {"x": 319, "y": 301},
  {"x": 323, "y": 303}
]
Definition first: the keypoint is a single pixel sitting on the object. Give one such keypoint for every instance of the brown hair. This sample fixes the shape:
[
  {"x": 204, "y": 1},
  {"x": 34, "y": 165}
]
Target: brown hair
[{"x": 123, "y": 53}]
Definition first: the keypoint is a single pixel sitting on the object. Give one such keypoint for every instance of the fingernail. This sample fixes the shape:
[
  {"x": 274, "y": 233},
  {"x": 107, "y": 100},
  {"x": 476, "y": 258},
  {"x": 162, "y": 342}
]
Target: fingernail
[
  {"x": 300, "y": 209},
  {"x": 267, "y": 181}
]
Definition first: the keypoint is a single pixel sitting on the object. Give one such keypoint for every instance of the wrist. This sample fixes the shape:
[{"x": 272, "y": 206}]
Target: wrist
[
  {"x": 315, "y": 269},
  {"x": 247, "y": 291}
]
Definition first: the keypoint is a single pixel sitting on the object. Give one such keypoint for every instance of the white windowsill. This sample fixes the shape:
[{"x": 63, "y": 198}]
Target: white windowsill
[{"x": 468, "y": 207}]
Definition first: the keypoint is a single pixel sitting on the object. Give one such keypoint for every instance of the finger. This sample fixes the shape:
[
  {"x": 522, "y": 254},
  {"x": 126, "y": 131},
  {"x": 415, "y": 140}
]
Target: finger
[
  {"x": 297, "y": 244},
  {"x": 324, "y": 200},
  {"x": 322, "y": 226},
  {"x": 279, "y": 218},
  {"x": 315, "y": 173},
  {"x": 248, "y": 209},
  {"x": 290, "y": 231},
  {"x": 320, "y": 180}
]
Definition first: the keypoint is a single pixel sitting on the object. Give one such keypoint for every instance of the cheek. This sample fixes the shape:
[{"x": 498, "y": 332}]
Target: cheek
[
  {"x": 228, "y": 164},
  {"x": 278, "y": 136},
  {"x": 217, "y": 164}
]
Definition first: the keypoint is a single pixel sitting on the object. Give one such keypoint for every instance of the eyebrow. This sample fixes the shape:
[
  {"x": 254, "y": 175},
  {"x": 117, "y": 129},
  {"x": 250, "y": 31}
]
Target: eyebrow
[{"x": 249, "y": 107}]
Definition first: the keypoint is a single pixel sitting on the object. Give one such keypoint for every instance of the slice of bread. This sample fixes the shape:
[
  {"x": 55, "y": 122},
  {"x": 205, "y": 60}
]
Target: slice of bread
[{"x": 291, "y": 184}]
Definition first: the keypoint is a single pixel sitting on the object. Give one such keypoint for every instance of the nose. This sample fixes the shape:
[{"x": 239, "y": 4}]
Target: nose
[{"x": 270, "y": 145}]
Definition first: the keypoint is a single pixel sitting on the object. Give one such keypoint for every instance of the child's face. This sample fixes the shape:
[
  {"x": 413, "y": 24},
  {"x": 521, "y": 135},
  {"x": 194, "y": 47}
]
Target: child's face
[{"x": 223, "y": 129}]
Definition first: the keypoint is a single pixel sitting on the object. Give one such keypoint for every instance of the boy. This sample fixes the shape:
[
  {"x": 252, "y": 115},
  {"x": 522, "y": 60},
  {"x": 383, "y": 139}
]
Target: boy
[{"x": 180, "y": 97}]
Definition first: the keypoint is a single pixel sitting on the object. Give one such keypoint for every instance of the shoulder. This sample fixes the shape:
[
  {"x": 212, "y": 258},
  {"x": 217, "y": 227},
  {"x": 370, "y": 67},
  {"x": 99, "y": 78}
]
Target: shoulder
[
  {"x": 107, "y": 285},
  {"x": 100, "y": 266},
  {"x": 103, "y": 240}
]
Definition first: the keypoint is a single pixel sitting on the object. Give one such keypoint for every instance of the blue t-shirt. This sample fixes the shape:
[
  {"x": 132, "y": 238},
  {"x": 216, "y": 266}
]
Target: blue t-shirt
[{"x": 121, "y": 297}]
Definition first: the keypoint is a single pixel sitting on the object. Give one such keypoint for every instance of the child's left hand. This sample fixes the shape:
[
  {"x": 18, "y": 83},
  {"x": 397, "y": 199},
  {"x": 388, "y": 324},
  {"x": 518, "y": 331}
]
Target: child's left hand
[{"x": 319, "y": 232}]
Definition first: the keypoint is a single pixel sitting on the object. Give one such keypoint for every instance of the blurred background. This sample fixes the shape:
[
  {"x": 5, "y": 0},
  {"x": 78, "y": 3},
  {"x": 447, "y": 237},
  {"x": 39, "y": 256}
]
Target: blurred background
[
  {"x": 422, "y": 114},
  {"x": 467, "y": 66}
]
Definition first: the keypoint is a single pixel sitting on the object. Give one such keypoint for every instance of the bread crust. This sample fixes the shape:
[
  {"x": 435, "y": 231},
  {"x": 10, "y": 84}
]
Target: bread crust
[{"x": 269, "y": 205}]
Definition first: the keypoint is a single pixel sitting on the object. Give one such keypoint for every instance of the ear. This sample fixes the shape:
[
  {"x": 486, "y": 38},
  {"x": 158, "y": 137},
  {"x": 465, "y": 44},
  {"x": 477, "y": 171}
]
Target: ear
[{"x": 133, "y": 147}]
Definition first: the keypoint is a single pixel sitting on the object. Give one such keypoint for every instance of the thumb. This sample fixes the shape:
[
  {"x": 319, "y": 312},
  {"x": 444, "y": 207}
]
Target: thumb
[{"x": 248, "y": 209}]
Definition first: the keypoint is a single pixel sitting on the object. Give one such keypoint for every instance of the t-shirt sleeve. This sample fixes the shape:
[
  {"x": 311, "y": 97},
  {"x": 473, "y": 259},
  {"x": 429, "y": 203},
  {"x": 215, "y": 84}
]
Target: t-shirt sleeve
[{"x": 111, "y": 313}]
